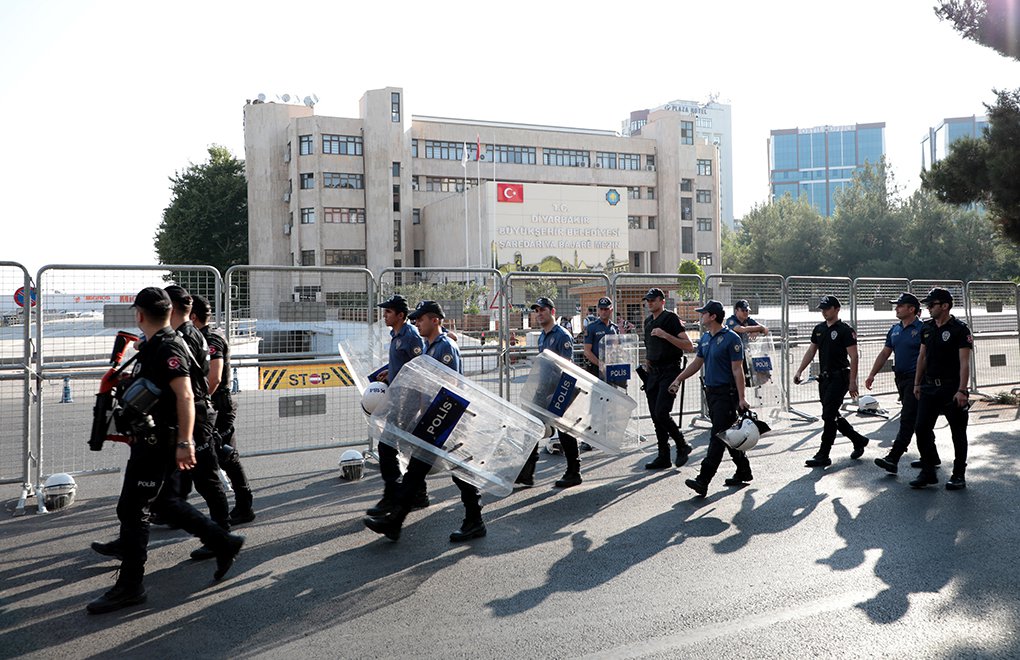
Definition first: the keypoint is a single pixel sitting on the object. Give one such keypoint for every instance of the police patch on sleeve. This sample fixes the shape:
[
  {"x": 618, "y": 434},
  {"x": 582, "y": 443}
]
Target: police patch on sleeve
[
  {"x": 416, "y": 350},
  {"x": 566, "y": 344},
  {"x": 447, "y": 358},
  {"x": 174, "y": 363},
  {"x": 736, "y": 348},
  {"x": 212, "y": 350}
]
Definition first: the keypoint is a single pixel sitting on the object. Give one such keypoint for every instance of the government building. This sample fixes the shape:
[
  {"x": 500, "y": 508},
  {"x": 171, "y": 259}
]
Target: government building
[{"x": 390, "y": 189}]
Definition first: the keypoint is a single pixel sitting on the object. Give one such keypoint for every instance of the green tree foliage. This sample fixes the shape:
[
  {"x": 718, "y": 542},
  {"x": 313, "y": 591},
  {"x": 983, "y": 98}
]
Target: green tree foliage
[
  {"x": 207, "y": 219},
  {"x": 867, "y": 226},
  {"x": 786, "y": 237},
  {"x": 688, "y": 289},
  {"x": 986, "y": 171},
  {"x": 992, "y": 23}
]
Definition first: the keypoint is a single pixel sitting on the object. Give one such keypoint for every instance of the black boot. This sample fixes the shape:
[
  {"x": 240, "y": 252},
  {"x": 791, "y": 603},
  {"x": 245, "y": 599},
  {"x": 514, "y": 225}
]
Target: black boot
[
  {"x": 112, "y": 549},
  {"x": 388, "y": 501},
  {"x": 127, "y": 591},
  {"x": 661, "y": 462},
  {"x": 889, "y": 462},
  {"x": 818, "y": 460},
  {"x": 388, "y": 525},
  {"x": 957, "y": 482},
  {"x": 683, "y": 452},
  {"x": 698, "y": 486},
  {"x": 469, "y": 529},
  {"x": 925, "y": 478},
  {"x": 227, "y": 554},
  {"x": 860, "y": 442},
  {"x": 740, "y": 478},
  {"x": 242, "y": 512},
  {"x": 570, "y": 478}
]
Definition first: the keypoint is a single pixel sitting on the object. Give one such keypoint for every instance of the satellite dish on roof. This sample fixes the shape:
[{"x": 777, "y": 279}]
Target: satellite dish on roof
[
  {"x": 308, "y": 101},
  {"x": 262, "y": 97},
  {"x": 285, "y": 98},
  {"x": 315, "y": 98}
]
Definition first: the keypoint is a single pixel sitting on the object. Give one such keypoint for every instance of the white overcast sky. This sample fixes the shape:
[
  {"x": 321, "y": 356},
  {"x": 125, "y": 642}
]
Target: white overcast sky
[{"x": 102, "y": 101}]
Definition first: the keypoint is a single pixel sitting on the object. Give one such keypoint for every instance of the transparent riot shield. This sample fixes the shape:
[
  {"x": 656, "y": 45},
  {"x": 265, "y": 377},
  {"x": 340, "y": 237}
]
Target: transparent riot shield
[
  {"x": 365, "y": 352},
  {"x": 620, "y": 355},
  {"x": 764, "y": 390},
  {"x": 567, "y": 397},
  {"x": 436, "y": 415}
]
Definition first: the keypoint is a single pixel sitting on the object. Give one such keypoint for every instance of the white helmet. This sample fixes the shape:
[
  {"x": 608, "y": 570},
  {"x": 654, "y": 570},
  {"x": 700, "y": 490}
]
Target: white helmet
[
  {"x": 551, "y": 441},
  {"x": 352, "y": 465},
  {"x": 373, "y": 397},
  {"x": 741, "y": 436},
  {"x": 58, "y": 491},
  {"x": 867, "y": 403}
]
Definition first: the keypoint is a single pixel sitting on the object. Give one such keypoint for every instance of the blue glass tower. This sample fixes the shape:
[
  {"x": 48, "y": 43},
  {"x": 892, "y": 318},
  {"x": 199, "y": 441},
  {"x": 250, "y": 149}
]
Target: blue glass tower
[
  {"x": 935, "y": 145},
  {"x": 819, "y": 162}
]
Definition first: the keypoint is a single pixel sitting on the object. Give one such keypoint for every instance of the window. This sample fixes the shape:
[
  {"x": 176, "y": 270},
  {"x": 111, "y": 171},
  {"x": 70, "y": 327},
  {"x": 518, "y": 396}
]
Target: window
[
  {"x": 396, "y": 169},
  {"x": 704, "y": 196},
  {"x": 651, "y": 222},
  {"x": 566, "y": 157},
  {"x": 308, "y": 216},
  {"x": 395, "y": 107},
  {"x": 506, "y": 153},
  {"x": 650, "y": 161},
  {"x": 444, "y": 184},
  {"x": 396, "y": 234},
  {"x": 705, "y": 258},
  {"x": 396, "y": 198},
  {"x": 347, "y": 299},
  {"x": 633, "y": 193},
  {"x": 415, "y": 216},
  {"x": 704, "y": 224},
  {"x": 687, "y": 240},
  {"x": 629, "y": 161},
  {"x": 307, "y": 257},
  {"x": 651, "y": 193},
  {"x": 342, "y": 145},
  {"x": 686, "y": 185},
  {"x": 307, "y": 181},
  {"x": 686, "y": 208},
  {"x": 605, "y": 160},
  {"x": 307, "y": 293},
  {"x": 343, "y": 180},
  {"x": 444, "y": 150},
  {"x": 334, "y": 215},
  {"x": 344, "y": 258},
  {"x": 633, "y": 222},
  {"x": 414, "y": 148},
  {"x": 687, "y": 132},
  {"x": 704, "y": 167},
  {"x": 305, "y": 145},
  {"x": 635, "y": 258},
  {"x": 419, "y": 258}
]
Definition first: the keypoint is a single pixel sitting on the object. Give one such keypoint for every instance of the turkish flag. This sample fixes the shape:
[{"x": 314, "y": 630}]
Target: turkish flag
[{"x": 510, "y": 192}]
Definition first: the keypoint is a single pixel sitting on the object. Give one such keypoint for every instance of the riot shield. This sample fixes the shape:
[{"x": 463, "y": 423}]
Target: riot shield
[
  {"x": 436, "y": 415},
  {"x": 564, "y": 396},
  {"x": 365, "y": 352},
  {"x": 764, "y": 391},
  {"x": 620, "y": 355}
]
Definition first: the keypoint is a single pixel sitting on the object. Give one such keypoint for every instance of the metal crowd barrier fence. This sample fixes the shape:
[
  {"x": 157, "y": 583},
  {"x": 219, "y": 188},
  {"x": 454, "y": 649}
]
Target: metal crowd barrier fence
[
  {"x": 873, "y": 316},
  {"x": 292, "y": 390},
  {"x": 15, "y": 378},
  {"x": 801, "y": 316},
  {"x": 992, "y": 315}
]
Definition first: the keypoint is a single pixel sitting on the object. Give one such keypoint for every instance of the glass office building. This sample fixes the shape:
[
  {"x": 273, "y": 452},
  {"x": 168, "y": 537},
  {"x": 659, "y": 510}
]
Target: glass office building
[
  {"x": 935, "y": 145},
  {"x": 819, "y": 162}
]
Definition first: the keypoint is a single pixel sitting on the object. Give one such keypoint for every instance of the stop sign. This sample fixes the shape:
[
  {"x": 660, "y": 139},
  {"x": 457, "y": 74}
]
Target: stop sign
[{"x": 314, "y": 379}]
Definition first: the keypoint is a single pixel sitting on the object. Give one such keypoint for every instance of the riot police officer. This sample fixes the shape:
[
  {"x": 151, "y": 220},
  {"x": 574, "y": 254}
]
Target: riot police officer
[
  {"x": 941, "y": 388},
  {"x": 836, "y": 345},
  {"x": 594, "y": 332},
  {"x": 722, "y": 354},
  {"x": 428, "y": 316},
  {"x": 224, "y": 437},
  {"x": 741, "y": 322},
  {"x": 556, "y": 339},
  {"x": 665, "y": 343},
  {"x": 159, "y": 448},
  {"x": 405, "y": 345},
  {"x": 903, "y": 342}
]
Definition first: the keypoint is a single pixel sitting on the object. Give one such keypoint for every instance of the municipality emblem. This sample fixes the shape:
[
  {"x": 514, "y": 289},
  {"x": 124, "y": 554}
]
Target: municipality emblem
[{"x": 613, "y": 197}]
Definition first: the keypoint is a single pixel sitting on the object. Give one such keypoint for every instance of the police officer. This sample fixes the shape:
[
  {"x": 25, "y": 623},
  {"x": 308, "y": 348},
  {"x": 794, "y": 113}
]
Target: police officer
[
  {"x": 741, "y": 322},
  {"x": 405, "y": 345},
  {"x": 206, "y": 475},
  {"x": 836, "y": 345},
  {"x": 556, "y": 339},
  {"x": 940, "y": 385},
  {"x": 428, "y": 316},
  {"x": 596, "y": 330},
  {"x": 665, "y": 343},
  {"x": 721, "y": 352},
  {"x": 224, "y": 437},
  {"x": 156, "y": 454},
  {"x": 903, "y": 342}
]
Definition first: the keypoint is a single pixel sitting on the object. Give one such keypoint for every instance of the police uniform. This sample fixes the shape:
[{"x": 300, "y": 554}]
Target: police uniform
[
  {"x": 938, "y": 387},
  {"x": 905, "y": 343},
  {"x": 405, "y": 345},
  {"x": 665, "y": 362},
  {"x": 223, "y": 429},
  {"x": 719, "y": 352},
  {"x": 733, "y": 322},
  {"x": 833, "y": 384},
  {"x": 593, "y": 335}
]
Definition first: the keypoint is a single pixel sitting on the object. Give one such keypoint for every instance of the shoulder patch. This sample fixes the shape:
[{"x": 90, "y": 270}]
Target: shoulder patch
[
  {"x": 174, "y": 362},
  {"x": 447, "y": 358},
  {"x": 416, "y": 350},
  {"x": 567, "y": 344},
  {"x": 736, "y": 347}
]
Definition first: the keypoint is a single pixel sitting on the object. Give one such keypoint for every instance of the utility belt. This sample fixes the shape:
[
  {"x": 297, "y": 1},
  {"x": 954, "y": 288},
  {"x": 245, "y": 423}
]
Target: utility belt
[
  {"x": 665, "y": 366},
  {"x": 904, "y": 375},
  {"x": 720, "y": 389},
  {"x": 942, "y": 382},
  {"x": 832, "y": 373}
]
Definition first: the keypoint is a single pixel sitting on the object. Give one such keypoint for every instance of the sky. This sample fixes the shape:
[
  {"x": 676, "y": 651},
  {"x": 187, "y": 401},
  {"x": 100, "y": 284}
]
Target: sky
[{"x": 103, "y": 101}]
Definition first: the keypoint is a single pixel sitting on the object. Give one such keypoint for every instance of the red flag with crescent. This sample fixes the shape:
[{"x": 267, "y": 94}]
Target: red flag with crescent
[{"x": 510, "y": 192}]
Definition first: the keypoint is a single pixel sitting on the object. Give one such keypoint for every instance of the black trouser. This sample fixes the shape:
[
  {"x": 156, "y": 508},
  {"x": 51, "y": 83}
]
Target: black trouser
[
  {"x": 832, "y": 387},
  {"x": 389, "y": 468},
  {"x": 660, "y": 406},
  {"x": 148, "y": 479},
  {"x": 571, "y": 452},
  {"x": 722, "y": 408},
  {"x": 205, "y": 475},
  {"x": 229, "y": 459},
  {"x": 938, "y": 400},
  {"x": 908, "y": 413},
  {"x": 414, "y": 482}
]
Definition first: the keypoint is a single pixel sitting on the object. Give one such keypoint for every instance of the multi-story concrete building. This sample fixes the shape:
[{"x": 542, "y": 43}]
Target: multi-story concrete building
[
  {"x": 935, "y": 145},
  {"x": 818, "y": 162},
  {"x": 712, "y": 123},
  {"x": 387, "y": 189}
]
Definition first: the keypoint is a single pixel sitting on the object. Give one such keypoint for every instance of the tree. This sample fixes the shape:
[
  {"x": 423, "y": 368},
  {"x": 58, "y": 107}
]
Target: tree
[
  {"x": 866, "y": 228},
  {"x": 992, "y": 23},
  {"x": 688, "y": 289},
  {"x": 986, "y": 171},
  {"x": 207, "y": 219},
  {"x": 786, "y": 237}
]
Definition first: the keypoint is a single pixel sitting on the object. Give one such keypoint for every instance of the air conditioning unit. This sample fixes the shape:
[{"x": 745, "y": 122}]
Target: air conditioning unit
[
  {"x": 286, "y": 197},
  {"x": 286, "y": 229},
  {"x": 650, "y": 168},
  {"x": 414, "y": 186},
  {"x": 598, "y": 165}
]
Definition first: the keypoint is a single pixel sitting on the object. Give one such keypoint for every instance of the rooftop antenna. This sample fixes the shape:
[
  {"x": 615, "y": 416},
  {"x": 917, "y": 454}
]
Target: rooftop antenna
[{"x": 285, "y": 98}]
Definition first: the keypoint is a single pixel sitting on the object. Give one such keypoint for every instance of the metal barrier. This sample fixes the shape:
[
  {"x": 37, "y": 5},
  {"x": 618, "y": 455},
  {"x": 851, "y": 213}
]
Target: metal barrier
[
  {"x": 992, "y": 315},
  {"x": 15, "y": 379},
  {"x": 873, "y": 315},
  {"x": 80, "y": 310},
  {"x": 284, "y": 324},
  {"x": 802, "y": 315}
]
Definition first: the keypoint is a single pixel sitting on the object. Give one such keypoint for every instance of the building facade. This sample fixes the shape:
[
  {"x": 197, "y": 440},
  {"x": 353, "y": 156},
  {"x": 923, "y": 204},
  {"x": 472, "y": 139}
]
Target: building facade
[
  {"x": 712, "y": 124},
  {"x": 818, "y": 162},
  {"x": 386, "y": 189},
  {"x": 935, "y": 145}
]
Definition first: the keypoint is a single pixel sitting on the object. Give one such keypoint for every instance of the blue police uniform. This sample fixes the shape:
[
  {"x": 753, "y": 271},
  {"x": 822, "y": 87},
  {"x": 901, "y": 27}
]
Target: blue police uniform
[
  {"x": 733, "y": 322},
  {"x": 557, "y": 340},
  {"x": 443, "y": 350},
  {"x": 596, "y": 330},
  {"x": 405, "y": 345},
  {"x": 905, "y": 343},
  {"x": 718, "y": 352}
]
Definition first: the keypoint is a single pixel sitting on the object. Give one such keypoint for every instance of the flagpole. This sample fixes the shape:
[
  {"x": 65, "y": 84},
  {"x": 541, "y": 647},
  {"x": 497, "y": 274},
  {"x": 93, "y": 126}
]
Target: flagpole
[
  {"x": 463, "y": 163},
  {"x": 478, "y": 167}
]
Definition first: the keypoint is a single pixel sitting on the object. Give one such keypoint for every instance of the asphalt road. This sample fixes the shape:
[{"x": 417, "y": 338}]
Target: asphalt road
[{"x": 846, "y": 562}]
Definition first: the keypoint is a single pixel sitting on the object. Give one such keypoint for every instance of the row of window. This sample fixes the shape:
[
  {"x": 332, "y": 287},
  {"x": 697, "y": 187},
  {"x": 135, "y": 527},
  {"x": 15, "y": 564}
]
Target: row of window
[
  {"x": 334, "y": 215},
  {"x": 334, "y": 258},
  {"x": 340, "y": 145},
  {"x": 635, "y": 192},
  {"x": 634, "y": 222}
]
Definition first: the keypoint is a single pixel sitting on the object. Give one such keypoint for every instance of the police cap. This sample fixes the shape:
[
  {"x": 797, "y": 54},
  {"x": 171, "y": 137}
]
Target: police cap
[
  {"x": 742, "y": 304},
  {"x": 828, "y": 301},
  {"x": 605, "y": 303},
  {"x": 907, "y": 299},
  {"x": 426, "y": 307},
  {"x": 153, "y": 300},
  {"x": 654, "y": 293},
  {"x": 179, "y": 296},
  {"x": 397, "y": 303},
  {"x": 543, "y": 302},
  {"x": 938, "y": 295},
  {"x": 712, "y": 307}
]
